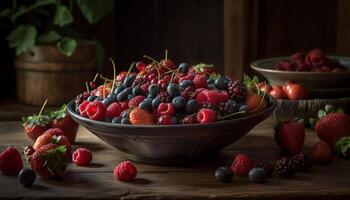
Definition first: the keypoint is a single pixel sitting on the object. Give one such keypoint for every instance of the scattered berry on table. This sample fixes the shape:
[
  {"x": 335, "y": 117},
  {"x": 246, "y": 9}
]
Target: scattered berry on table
[
  {"x": 302, "y": 162},
  {"x": 26, "y": 177},
  {"x": 241, "y": 165},
  {"x": 125, "y": 171},
  {"x": 257, "y": 175},
  {"x": 224, "y": 174},
  {"x": 82, "y": 157},
  {"x": 285, "y": 167},
  {"x": 10, "y": 161}
]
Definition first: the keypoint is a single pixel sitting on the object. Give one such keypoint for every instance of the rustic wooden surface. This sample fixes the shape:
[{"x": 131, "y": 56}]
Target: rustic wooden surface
[{"x": 195, "y": 181}]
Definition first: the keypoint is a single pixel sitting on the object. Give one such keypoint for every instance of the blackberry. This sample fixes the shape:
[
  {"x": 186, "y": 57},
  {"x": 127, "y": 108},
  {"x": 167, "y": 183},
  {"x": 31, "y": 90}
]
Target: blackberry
[
  {"x": 80, "y": 98},
  {"x": 210, "y": 106},
  {"x": 226, "y": 109},
  {"x": 189, "y": 119},
  {"x": 139, "y": 81},
  {"x": 236, "y": 90},
  {"x": 164, "y": 97},
  {"x": 285, "y": 167},
  {"x": 302, "y": 162}
]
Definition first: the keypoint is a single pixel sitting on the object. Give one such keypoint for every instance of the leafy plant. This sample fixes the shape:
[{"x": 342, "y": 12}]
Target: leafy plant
[{"x": 51, "y": 21}]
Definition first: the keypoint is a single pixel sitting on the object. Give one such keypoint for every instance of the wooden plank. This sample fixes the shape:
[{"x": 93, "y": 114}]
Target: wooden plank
[
  {"x": 195, "y": 181},
  {"x": 343, "y": 28}
]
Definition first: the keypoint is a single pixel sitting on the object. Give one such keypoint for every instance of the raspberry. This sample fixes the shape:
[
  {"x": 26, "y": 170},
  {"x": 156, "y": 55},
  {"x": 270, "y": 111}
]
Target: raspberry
[
  {"x": 81, "y": 157},
  {"x": 10, "y": 161},
  {"x": 186, "y": 77},
  {"x": 144, "y": 88},
  {"x": 200, "y": 81},
  {"x": 125, "y": 171},
  {"x": 82, "y": 108},
  {"x": 206, "y": 115},
  {"x": 166, "y": 109},
  {"x": 135, "y": 101},
  {"x": 315, "y": 58},
  {"x": 214, "y": 97},
  {"x": 241, "y": 165},
  {"x": 113, "y": 110},
  {"x": 200, "y": 97},
  {"x": 165, "y": 120},
  {"x": 96, "y": 111}
]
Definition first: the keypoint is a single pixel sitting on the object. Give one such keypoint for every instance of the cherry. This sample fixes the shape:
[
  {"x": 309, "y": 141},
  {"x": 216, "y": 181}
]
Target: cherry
[{"x": 165, "y": 120}]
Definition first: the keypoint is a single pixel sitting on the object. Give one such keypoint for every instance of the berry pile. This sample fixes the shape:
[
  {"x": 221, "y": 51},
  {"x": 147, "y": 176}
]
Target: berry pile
[
  {"x": 314, "y": 61},
  {"x": 161, "y": 93}
]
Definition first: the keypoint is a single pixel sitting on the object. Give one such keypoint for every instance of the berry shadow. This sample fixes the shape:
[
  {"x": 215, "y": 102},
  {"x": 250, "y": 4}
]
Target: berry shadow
[
  {"x": 94, "y": 165},
  {"x": 141, "y": 181},
  {"x": 38, "y": 187},
  {"x": 90, "y": 145}
]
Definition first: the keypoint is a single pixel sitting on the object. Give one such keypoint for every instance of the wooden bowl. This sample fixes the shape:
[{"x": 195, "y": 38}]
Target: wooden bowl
[
  {"x": 172, "y": 144},
  {"x": 311, "y": 80}
]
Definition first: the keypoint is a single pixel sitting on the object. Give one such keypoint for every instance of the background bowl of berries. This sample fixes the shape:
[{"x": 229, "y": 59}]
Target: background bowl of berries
[
  {"x": 314, "y": 70},
  {"x": 162, "y": 114}
]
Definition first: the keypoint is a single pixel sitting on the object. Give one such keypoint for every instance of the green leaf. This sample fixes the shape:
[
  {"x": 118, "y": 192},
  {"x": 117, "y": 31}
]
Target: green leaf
[
  {"x": 342, "y": 146},
  {"x": 5, "y": 13},
  {"x": 100, "y": 54},
  {"x": 321, "y": 113},
  {"x": 313, "y": 122},
  {"x": 329, "y": 108},
  {"x": 256, "y": 79},
  {"x": 22, "y": 38},
  {"x": 51, "y": 36},
  {"x": 67, "y": 46},
  {"x": 94, "y": 10},
  {"x": 63, "y": 16}
]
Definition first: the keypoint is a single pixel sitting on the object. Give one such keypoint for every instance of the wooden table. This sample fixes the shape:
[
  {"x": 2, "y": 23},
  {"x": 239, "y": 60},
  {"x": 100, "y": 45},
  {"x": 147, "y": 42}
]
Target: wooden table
[{"x": 195, "y": 181}]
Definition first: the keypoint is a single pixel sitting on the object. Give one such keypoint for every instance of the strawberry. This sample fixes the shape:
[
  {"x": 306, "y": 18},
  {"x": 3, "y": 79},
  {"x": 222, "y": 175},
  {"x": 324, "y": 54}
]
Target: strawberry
[
  {"x": 36, "y": 125},
  {"x": 290, "y": 136},
  {"x": 200, "y": 81},
  {"x": 139, "y": 116},
  {"x": 241, "y": 165},
  {"x": 332, "y": 126},
  {"x": 342, "y": 147},
  {"x": 321, "y": 153},
  {"x": 55, "y": 136},
  {"x": 50, "y": 161},
  {"x": 10, "y": 161},
  {"x": 62, "y": 120}
]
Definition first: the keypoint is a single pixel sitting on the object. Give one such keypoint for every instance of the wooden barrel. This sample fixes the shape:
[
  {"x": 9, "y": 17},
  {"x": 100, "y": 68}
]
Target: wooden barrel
[{"x": 45, "y": 73}]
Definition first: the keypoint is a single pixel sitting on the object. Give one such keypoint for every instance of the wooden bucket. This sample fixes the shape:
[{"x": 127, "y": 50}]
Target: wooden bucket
[{"x": 45, "y": 73}]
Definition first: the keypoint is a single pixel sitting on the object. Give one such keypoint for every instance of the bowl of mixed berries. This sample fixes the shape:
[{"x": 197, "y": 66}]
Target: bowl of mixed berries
[
  {"x": 314, "y": 70},
  {"x": 161, "y": 113}
]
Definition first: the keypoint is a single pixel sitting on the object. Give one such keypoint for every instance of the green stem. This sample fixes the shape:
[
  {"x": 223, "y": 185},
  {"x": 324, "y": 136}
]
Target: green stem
[
  {"x": 87, "y": 87},
  {"x": 114, "y": 74},
  {"x": 41, "y": 110}
]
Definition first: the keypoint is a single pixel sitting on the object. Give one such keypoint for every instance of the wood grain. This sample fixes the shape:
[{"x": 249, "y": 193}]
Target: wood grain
[{"x": 194, "y": 181}]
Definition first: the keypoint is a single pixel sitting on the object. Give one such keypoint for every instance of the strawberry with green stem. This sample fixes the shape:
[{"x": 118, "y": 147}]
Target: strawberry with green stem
[
  {"x": 342, "y": 147},
  {"x": 36, "y": 125}
]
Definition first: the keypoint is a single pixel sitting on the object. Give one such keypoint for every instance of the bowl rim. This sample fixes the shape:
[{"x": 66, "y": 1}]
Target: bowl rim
[
  {"x": 272, "y": 101},
  {"x": 255, "y": 65}
]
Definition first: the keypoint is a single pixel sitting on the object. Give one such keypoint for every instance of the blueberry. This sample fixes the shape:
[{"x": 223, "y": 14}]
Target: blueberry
[
  {"x": 122, "y": 96},
  {"x": 137, "y": 91},
  {"x": 130, "y": 96},
  {"x": 128, "y": 90},
  {"x": 119, "y": 89},
  {"x": 179, "y": 102},
  {"x": 243, "y": 108},
  {"x": 146, "y": 105},
  {"x": 125, "y": 114},
  {"x": 98, "y": 99},
  {"x": 107, "y": 101},
  {"x": 150, "y": 96},
  {"x": 183, "y": 68},
  {"x": 175, "y": 120},
  {"x": 125, "y": 121},
  {"x": 155, "y": 102},
  {"x": 113, "y": 97},
  {"x": 153, "y": 89},
  {"x": 172, "y": 90},
  {"x": 257, "y": 175},
  {"x": 224, "y": 174},
  {"x": 192, "y": 106},
  {"x": 26, "y": 177},
  {"x": 184, "y": 84},
  {"x": 129, "y": 80},
  {"x": 116, "y": 120},
  {"x": 91, "y": 98},
  {"x": 222, "y": 82}
]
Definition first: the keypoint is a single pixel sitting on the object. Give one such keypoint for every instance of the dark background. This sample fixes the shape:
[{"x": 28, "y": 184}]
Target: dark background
[{"x": 227, "y": 33}]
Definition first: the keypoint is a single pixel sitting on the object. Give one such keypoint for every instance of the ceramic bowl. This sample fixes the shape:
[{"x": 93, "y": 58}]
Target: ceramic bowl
[
  {"x": 172, "y": 144},
  {"x": 311, "y": 80}
]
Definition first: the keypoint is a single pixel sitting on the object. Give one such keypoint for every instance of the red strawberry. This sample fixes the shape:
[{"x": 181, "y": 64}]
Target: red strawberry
[
  {"x": 96, "y": 110},
  {"x": 333, "y": 126},
  {"x": 241, "y": 165},
  {"x": 114, "y": 110},
  {"x": 10, "y": 161},
  {"x": 206, "y": 115},
  {"x": 290, "y": 136},
  {"x": 135, "y": 101},
  {"x": 62, "y": 120},
  {"x": 200, "y": 81},
  {"x": 36, "y": 125},
  {"x": 50, "y": 161},
  {"x": 55, "y": 136}
]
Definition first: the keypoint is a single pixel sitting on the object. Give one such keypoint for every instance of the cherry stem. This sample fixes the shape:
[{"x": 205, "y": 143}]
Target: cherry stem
[
  {"x": 233, "y": 114},
  {"x": 172, "y": 75},
  {"x": 114, "y": 73},
  {"x": 105, "y": 79},
  {"x": 95, "y": 77},
  {"x": 129, "y": 70},
  {"x": 154, "y": 60},
  {"x": 104, "y": 89},
  {"x": 41, "y": 110},
  {"x": 166, "y": 54},
  {"x": 87, "y": 87},
  {"x": 260, "y": 103}
]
